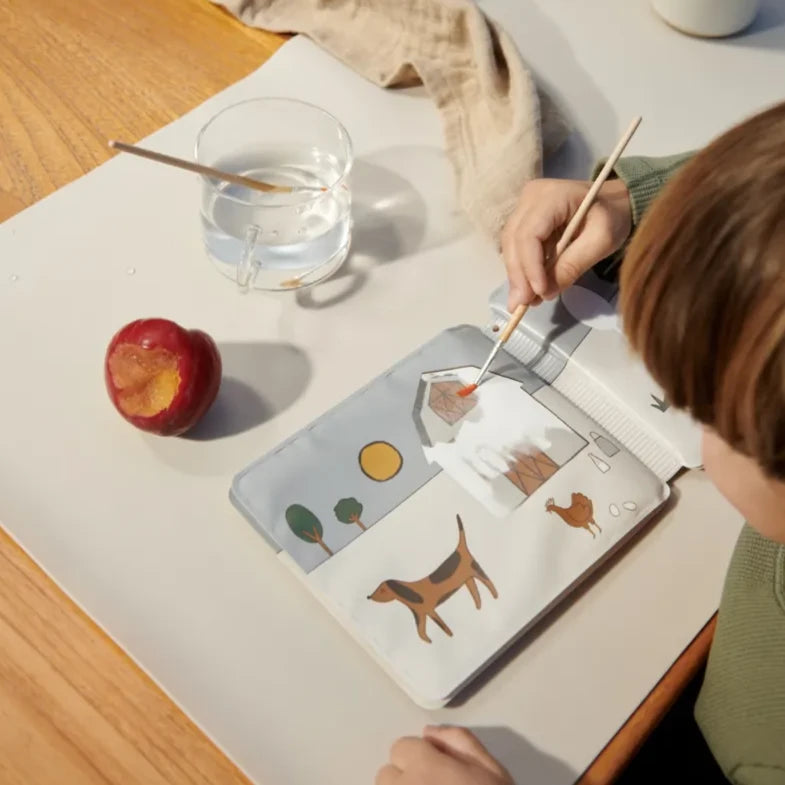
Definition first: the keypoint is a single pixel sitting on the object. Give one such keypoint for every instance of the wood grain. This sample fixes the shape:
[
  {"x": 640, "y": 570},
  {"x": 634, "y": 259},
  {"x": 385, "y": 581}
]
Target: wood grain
[
  {"x": 75, "y": 73},
  {"x": 610, "y": 763},
  {"x": 74, "y": 709}
]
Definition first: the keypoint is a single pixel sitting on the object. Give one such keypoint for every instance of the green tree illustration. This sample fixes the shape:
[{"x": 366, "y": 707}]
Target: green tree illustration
[
  {"x": 305, "y": 525},
  {"x": 349, "y": 511}
]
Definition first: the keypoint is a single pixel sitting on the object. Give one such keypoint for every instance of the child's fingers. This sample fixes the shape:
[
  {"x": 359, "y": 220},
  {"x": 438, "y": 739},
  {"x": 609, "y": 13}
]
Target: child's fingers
[
  {"x": 520, "y": 290},
  {"x": 457, "y": 741},
  {"x": 528, "y": 238},
  {"x": 462, "y": 744},
  {"x": 388, "y": 775},
  {"x": 530, "y": 252},
  {"x": 411, "y": 751},
  {"x": 531, "y": 256}
]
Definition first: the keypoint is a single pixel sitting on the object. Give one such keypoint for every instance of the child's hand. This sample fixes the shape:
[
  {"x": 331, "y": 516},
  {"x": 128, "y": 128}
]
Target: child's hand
[
  {"x": 443, "y": 756},
  {"x": 530, "y": 236}
]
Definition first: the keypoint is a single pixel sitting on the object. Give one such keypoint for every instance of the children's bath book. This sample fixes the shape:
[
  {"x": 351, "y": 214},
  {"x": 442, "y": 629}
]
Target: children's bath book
[{"x": 437, "y": 529}]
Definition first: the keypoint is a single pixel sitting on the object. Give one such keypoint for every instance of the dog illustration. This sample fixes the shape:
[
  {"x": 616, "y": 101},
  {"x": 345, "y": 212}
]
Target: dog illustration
[{"x": 424, "y": 596}]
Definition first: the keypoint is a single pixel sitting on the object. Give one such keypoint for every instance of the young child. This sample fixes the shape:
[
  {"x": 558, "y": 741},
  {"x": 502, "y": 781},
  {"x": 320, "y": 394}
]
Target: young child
[{"x": 703, "y": 302}]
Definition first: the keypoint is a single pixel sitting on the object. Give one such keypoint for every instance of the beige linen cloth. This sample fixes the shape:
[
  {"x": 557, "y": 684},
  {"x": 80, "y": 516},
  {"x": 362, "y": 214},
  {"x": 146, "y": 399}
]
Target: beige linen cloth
[{"x": 496, "y": 125}]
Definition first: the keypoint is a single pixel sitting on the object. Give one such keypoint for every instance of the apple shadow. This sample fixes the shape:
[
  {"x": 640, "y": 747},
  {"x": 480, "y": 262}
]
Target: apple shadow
[
  {"x": 522, "y": 759},
  {"x": 259, "y": 381}
]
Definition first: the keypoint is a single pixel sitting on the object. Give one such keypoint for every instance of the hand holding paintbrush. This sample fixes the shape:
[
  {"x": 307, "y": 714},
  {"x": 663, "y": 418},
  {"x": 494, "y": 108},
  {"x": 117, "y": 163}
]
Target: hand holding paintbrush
[{"x": 564, "y": 241}]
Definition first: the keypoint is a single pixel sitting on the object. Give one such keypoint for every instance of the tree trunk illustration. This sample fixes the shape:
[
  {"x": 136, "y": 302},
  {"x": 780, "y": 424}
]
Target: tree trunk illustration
[
  {"x": 305, "y": 525},
  {"x": 349, "y": 511},
  {"x": 326, "y": 549},
  {"x": 314, "y": 536}
]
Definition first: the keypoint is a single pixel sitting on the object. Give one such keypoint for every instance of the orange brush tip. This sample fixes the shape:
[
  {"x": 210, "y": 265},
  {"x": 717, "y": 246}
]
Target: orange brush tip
[{"x": 466, "y": 391}]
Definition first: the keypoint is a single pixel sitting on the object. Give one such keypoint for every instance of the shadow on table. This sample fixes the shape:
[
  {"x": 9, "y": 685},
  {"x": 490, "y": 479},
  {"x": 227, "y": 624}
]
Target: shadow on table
[
  {"x": 523, "y": 760},
  {"x": 260, "y": 381},
  {"x": 349, "y": 280},
  {"x": 403, "y": 203},
  {"x": 633, "y": 540},
  {"x": 573, "y": 160},
  {"x": 767, "y": 30},
  {"x": 676, "y": 738},
  {"x": 567, "y": 83}
]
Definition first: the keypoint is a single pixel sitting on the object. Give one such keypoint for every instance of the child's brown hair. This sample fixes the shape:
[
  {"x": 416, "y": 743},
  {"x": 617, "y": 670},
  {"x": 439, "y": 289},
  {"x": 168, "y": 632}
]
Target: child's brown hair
[{"x": 703, "y": 288}]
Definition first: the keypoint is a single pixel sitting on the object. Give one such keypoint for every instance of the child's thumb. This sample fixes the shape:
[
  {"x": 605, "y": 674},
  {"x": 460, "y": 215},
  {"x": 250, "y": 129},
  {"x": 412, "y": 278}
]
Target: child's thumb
[{"x": 464, "y": 745}]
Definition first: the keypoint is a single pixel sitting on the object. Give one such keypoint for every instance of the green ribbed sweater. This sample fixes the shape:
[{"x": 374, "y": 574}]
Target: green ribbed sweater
[{"x": 741, "y": 707}]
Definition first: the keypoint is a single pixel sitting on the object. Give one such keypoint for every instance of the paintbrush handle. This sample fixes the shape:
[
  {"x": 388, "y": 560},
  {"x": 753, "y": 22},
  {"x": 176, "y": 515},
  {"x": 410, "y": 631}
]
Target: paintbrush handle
[
  {"x": 591, "y": 194},
  {"x": 514, "y": 321},
  {"x": 576, "y": 219},
  {"x": 208, "y": 171}
]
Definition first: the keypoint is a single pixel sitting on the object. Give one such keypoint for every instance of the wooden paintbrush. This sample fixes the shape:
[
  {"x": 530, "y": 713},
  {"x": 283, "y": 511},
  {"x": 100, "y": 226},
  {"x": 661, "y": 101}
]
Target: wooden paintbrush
[
  {"x": 564, "y": 241},
  {"x": 209, "y": 171}
]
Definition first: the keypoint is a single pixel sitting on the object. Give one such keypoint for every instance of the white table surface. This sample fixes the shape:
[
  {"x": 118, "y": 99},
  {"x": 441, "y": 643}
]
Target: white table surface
[{"x": 139, "y": 530}]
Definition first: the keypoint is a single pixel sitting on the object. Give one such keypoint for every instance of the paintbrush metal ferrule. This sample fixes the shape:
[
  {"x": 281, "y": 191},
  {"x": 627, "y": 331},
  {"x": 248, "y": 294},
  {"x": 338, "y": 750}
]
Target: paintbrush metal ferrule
[{"x": 491, "y": 357}]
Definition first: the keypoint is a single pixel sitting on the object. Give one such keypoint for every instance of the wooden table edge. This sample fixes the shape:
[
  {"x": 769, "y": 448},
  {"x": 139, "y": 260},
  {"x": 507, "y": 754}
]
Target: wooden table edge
[{"x": 628, "y": 740}]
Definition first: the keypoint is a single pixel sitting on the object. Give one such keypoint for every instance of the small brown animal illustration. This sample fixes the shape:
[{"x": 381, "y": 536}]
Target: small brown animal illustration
[
  {"x": 579, "y": 515},
  {"x": 424, "y": 596}
]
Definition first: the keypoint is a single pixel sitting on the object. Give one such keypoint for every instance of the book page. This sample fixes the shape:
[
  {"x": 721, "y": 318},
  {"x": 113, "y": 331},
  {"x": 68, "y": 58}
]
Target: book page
[
  {"x": 438, "y": 586},
  {"x": 576, "y": 341},
  {"x": 438, "y": 526}
]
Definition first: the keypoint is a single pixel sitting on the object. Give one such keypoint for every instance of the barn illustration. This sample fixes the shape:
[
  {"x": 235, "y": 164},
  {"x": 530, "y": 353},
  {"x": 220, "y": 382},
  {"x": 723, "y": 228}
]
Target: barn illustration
[{"x": 439, "y": 413}]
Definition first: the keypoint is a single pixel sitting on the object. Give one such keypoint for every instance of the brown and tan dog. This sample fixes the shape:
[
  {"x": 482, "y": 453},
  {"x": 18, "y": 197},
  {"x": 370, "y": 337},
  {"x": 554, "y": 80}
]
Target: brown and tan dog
[{"x": 424, "y": 596}]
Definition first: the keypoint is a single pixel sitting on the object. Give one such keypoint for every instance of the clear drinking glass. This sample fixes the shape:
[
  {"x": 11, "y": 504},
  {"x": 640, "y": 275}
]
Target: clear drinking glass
[{"x": 274, "y": 240}]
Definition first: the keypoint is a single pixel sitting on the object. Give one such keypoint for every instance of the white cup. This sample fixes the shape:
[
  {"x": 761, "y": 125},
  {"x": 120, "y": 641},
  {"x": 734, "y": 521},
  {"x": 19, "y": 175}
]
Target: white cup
[{"x": 707, "y": 18}]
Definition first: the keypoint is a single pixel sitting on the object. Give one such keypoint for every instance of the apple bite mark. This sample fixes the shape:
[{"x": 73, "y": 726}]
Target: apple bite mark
[
  {"x": 146, "y": 380},
  {"x": 160, "y": 377}
]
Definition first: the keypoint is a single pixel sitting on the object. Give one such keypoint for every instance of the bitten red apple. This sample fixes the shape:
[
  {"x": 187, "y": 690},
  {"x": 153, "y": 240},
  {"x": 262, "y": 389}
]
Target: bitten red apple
[{"x": 161, "y": 377}]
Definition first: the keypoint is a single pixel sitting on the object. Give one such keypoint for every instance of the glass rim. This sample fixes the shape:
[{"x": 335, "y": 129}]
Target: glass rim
[{"x": 347, "y": 167}]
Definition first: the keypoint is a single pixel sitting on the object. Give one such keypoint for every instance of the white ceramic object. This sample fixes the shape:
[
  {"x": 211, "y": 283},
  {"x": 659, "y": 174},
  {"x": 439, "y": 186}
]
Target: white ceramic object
[{"x": 707, "y": 18}]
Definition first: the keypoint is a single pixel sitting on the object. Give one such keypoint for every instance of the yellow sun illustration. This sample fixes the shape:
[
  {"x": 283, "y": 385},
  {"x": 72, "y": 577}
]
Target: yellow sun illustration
[{"x": 380, "y": 461}]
